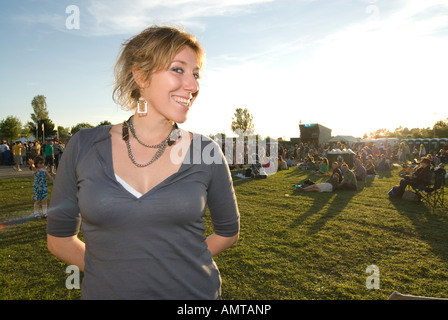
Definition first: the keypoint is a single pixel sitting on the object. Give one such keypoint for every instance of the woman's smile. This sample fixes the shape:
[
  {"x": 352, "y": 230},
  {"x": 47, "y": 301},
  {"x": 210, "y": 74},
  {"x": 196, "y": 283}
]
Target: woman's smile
[{"x": 182, "y": 101}]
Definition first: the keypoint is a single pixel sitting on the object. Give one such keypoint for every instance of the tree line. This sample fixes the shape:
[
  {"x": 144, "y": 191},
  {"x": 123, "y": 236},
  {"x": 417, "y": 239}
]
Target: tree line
[
  {"x": 41, "y": 126},
  {"x": 243, "y": 122},
  {"x": 438, "y": 130}
]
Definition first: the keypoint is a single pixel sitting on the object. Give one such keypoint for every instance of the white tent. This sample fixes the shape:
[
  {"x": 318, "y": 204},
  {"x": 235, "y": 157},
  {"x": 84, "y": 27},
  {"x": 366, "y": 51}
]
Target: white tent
[
  {"x": 349, "y": 139},
  {"x": 24, "y": 140}
]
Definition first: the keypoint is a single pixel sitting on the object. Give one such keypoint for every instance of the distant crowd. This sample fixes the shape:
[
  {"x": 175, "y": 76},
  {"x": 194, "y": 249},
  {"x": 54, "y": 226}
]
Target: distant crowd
[
  {"x": 367, "y": 160},
  {"x": 373, "y": 157},
  {"x": 19, "y": 154}
]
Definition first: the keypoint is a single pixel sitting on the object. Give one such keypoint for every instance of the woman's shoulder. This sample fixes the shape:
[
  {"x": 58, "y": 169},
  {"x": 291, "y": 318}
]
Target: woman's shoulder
[
  {"x": 203, "y": 140},
  {"x": 206, "y": 150},
  {"x": 91, "y": 135}
]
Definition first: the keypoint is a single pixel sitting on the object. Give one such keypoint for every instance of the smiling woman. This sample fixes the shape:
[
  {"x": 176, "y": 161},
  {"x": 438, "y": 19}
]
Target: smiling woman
[
  {"x": 152, "y": 50},
  {"x": 142, "y": 220}
]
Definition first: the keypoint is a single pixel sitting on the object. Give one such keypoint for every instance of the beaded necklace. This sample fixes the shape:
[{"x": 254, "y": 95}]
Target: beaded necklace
[{"x": 168, "y": 141}]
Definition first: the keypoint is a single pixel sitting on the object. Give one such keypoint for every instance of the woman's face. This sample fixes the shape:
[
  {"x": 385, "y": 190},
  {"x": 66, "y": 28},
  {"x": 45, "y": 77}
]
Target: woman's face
[{"x": 172, "y": 92}]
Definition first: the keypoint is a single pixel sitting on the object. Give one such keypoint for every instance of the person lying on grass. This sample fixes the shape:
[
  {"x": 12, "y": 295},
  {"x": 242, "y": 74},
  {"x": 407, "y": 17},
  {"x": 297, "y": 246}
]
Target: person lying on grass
[{"x": 328, "y": 186}]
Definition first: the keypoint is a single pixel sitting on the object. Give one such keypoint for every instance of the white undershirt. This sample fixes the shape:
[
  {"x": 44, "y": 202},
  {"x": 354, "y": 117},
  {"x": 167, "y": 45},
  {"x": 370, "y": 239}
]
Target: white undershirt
[{"x": 128, "y": 187}]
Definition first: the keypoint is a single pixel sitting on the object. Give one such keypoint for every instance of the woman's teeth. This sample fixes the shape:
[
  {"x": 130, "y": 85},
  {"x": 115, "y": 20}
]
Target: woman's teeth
[{"x": 183, "y": 101}]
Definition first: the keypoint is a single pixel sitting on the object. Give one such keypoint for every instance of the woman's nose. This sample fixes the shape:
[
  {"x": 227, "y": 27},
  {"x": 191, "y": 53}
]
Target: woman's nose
[{"x": 191, "y": 84}]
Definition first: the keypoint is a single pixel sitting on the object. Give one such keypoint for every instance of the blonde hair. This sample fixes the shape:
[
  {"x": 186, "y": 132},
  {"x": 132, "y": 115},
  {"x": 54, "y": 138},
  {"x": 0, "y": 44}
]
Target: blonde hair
[{"x": 150, "y": 51}]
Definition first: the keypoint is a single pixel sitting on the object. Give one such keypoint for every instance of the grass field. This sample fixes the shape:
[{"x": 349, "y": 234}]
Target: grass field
[{"x": 292, "y": 245}]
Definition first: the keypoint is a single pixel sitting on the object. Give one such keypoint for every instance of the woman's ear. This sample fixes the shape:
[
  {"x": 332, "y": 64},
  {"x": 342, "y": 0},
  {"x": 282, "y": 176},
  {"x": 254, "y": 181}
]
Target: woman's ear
[{"x": 140, "y": 78}]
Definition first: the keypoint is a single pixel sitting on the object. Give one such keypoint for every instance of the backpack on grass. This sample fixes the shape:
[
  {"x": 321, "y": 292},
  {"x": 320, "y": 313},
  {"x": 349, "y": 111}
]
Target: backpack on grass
[
  {"x": 394, "y": 192},
  {"x": 409, "y": 195}
]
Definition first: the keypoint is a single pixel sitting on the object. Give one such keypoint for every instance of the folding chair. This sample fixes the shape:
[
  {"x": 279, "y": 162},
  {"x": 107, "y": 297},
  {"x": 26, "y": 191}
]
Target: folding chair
[
  {"x": 436, "y": 193},
  {"x": 433, "y": 194}
]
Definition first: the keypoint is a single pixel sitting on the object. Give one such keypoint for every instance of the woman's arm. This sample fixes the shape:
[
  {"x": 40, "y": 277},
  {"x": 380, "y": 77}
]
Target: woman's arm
[
  {"x": 69, "y": 249},
  {"x": 217, "y": 244}
]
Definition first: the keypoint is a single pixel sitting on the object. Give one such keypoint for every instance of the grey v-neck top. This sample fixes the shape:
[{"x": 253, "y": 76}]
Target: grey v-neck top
[{"x": 151, "y": 247}]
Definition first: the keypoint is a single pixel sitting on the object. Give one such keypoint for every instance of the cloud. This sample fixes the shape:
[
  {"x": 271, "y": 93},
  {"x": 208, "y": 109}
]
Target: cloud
[
  {"x": 125, "y": 17},
  {"x": 33, "y": 83},
  {"x": 54, "y": 20},
  {"x": 116, "y": 17},
  {"x": 379, "y": 74}
]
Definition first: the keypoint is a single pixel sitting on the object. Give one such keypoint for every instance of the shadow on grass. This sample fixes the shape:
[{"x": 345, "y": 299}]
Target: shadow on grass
[
  {"x": 239, "y": 181},
  {"x": 370, "y": 179},
  {"x": 384, "y": 174},
  {"x": 337, "y": 205},
  {"x": 319, "y": 201},
  {"x": 337, "y": 202},
  {"x": 296, "y": 171},
  {"x": 431, "y": 226},
  {"x": 30, "y": 230}
]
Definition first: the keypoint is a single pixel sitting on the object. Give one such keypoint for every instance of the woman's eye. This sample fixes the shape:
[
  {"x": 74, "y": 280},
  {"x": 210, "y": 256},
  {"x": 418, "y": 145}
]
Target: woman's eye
[{"x": 196, "y": 75}]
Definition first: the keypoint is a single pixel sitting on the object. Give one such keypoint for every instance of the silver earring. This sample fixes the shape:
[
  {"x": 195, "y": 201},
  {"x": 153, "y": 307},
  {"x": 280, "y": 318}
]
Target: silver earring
[{"x": 142, "y": 107}]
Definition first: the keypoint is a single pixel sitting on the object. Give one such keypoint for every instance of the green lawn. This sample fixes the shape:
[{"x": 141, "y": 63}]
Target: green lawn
[{"x": 292, "y": 245}]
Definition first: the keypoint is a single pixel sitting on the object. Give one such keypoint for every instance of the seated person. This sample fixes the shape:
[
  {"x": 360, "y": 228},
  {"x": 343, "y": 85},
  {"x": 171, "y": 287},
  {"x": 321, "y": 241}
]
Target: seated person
[
  {"x": 336, "y": 170},
  {"x": 383, "y": 163},
  {"x": 282, "y": 165},
  {"x": 405, "y": 171},
  {"x": 328, "y": 186},
  {"x": 340, "y": 161},
  {"x": 444, "y": 153},
  {"x": 323, "y": 166},
  {"x": 359, "y": 170},
  {"x": 308, "y": 163},
  {"x": 433, "y": 158},
  {"x": 418, "y": 179},
  {"x": 349, "y": 181},
  {"x": 370, "y": 167}
]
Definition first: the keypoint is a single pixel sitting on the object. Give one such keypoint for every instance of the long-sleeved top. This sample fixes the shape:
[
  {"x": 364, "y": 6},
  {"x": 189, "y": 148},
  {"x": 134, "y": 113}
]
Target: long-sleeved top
[{"x": 150, "y": 246}]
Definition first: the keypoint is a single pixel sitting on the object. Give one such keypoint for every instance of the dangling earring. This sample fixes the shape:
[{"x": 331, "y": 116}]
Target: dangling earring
[{"x": 142, "y": 107}]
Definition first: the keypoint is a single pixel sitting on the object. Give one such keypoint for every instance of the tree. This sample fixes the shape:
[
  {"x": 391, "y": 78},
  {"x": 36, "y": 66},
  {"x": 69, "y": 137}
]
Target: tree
[
  {"x": 47, "y": 125},
  {"x": 441, "y": 128},
  {"x": 39, "y": 104},
  {"x": 380, "y": 133},
  {"x": 242, "y": 122},
  {"x": 80, "y": 126},
  {"x": 39, "y": 117},
  {"x": 105, "y": 123},
  {"x": 63, "y": 130},
  {"x": 10, "y": 128}
]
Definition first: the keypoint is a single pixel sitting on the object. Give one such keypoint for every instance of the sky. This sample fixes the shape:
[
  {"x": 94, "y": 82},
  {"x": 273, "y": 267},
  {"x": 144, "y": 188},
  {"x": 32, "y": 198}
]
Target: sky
[{"x": 353, "y": 66}]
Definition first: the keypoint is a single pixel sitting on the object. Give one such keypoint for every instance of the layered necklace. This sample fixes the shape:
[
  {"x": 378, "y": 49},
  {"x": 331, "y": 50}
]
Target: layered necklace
[{"x": 170, "y": 140}]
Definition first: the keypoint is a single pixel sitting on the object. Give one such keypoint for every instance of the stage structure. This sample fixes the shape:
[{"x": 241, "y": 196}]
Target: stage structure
[{"x": 314, "y": 133}]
